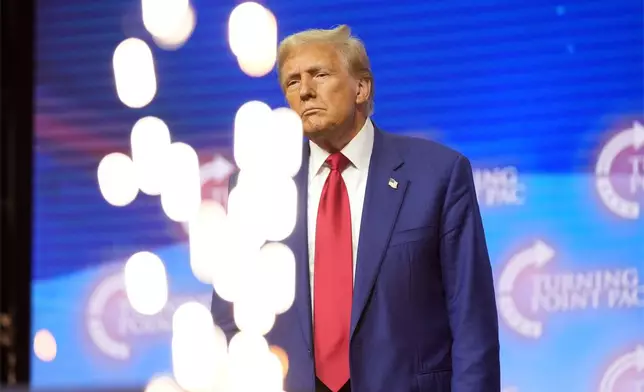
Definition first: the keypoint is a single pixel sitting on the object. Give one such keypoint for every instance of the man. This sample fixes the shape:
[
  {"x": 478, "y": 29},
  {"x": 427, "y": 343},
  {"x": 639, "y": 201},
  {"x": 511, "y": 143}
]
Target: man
[{"x": 394, "y": 286}]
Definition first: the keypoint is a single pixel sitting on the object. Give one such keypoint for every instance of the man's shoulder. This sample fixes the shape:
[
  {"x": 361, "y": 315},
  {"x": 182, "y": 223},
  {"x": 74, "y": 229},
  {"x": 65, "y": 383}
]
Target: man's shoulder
[{"x": 425, "y": 152}]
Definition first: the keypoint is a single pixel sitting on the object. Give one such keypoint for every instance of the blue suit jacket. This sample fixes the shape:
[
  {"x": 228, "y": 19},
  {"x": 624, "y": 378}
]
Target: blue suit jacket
[{"x": 424, "y": 315}]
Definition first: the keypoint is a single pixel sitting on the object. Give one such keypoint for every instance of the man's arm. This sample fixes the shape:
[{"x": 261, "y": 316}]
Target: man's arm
[
  {"x": 469, "y": 287},
  {"x": 222, "y": 310}
]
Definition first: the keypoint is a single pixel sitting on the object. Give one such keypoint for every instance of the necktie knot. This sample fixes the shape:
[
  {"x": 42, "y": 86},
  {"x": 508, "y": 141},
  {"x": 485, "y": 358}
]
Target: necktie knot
[{"x": 337, "y": 161}]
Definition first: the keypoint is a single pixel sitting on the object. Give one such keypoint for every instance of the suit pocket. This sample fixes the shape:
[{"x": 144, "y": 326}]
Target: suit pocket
[
  {"x": 440, "y": 381},
  {"x": 411, "y": 235}
]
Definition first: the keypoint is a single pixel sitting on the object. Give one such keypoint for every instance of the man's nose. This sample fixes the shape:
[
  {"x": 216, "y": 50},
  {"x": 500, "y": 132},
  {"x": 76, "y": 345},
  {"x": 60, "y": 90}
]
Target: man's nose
[{"x": 307, "y": 90}]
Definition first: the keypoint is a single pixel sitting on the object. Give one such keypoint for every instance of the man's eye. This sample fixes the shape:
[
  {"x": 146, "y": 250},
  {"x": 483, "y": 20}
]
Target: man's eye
[{"x": 322, "y": 74}]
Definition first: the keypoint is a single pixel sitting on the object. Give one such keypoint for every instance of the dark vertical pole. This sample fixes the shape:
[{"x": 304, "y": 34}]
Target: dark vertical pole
[{"x": 16, "y": 137}]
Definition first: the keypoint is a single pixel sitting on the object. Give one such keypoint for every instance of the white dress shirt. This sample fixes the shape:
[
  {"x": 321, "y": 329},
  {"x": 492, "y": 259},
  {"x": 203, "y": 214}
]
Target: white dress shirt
[{"x": 358, "y": 151}]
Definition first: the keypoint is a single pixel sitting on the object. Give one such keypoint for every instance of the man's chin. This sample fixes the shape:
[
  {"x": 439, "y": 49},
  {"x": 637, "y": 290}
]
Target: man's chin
[{"x": 313, "y": 131}]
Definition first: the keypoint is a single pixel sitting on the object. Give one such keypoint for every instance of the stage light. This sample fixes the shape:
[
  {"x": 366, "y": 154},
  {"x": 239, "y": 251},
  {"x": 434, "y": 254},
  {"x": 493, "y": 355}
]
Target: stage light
[
  {"x": 162, "y": 18},
  {"x": 207, "y": 232},
  {"x": 251, "y": 135},
  {"x": 277, "y": 263},
  {"x": 231, "y": 269},
  {"x": 150, "y": 139},
  {"x": 146, "y": 283},
  {"x": 162, "y": 384},
  {"x": 174, "y": 39},
  {"x": 279, "y": 213},
  {"x": 267, "y": 142},
  {"x": 286, "y": 142},
  {"x": 45, "y": 346},
  {"x": 251, "y": 312},
  {"x": 117, "y": 179},
  {"x": 283, "y": 358},
  {"x": 181, "y": 193},
  {"x": 134, "y": 73},
  {"x": 249, "y": 354},
  {"x": 199, "y": 357},
  {"x": 252, "y": 36}
]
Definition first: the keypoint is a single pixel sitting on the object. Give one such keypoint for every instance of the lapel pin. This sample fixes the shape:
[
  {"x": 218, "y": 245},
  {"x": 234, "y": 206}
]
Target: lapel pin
[{"x": 393, "y": 183}]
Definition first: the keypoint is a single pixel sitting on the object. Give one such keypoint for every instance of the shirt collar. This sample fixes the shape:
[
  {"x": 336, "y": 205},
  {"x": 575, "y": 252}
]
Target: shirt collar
[{"x": 358, "y": 151}]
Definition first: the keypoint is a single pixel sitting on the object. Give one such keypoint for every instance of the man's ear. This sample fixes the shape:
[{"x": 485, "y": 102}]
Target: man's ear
[{"x": 363, "y": 91}]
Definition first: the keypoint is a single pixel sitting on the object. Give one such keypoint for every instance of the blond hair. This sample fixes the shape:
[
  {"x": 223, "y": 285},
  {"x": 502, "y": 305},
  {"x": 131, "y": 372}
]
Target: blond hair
[{"x": 350, "y": 48}]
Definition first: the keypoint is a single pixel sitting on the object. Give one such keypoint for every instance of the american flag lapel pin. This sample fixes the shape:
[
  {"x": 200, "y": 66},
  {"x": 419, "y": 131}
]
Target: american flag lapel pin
[{"x": 393, "y": 183}]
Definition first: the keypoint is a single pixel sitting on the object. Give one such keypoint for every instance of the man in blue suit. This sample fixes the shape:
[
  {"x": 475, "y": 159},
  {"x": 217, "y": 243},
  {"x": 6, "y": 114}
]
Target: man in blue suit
[{"x": 394, "y": 285}]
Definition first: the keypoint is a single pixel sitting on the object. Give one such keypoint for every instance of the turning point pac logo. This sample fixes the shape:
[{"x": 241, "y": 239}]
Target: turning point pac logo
[
  {"x": 499, "y": 186},
  {"x": 530, "y": 289},
  {"x": 114, "y": 327},
  {"x": 619, "y": 172},
  {"x": 625, "y": 373}
]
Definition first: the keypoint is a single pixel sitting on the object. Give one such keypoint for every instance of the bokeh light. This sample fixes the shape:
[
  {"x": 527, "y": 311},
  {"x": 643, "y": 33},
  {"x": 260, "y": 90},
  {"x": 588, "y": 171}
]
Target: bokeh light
[
  {"x": 45, "y": 346},
  {"x": 149, "y": 141},
  {"x": 277, "y": 263},
  {"x": 283, "y": 358},
  {"x": 117, "y": 179},
  {"x": 174, "y": 39},
  {"x": 249, "y": 354},
  {"x": 286, "y": 137},
  {"x": 207, "y": 230},
  {"x": 252, "y": 36},
  {"x": 181, "y": 193},
  {"x": 199, "y": 350},
  {"x": 134, "y": 73},
  {"x": 251, "y": 312},
  {"x": 146, "y": 283},
  {"x": 252, "y": 137},
  {"x": 162, "y": 384},
  {"x": 267, "y": 142},
  {"x": 231, "y": 268},
  {"x": 162, "y": 18}
]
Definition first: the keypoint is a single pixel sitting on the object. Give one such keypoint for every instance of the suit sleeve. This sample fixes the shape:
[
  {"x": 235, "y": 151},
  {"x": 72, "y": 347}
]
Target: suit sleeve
[
  {"x": 469, "y": 287},
  {"x": 222, "y": 310}
]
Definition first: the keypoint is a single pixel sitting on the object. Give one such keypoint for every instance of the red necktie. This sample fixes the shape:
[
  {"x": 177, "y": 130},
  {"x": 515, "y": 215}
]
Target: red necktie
[{"x": 333, "y": 279}]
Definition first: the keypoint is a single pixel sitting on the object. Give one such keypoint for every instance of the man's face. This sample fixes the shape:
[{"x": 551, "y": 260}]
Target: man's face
[{"x": 319, "y": 87}]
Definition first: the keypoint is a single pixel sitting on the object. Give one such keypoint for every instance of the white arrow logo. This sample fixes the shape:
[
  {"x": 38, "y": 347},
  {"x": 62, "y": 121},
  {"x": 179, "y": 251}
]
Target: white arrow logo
[
  {"x": 629, "y": 137},
  {"x": 628, "y": 361},
  {"x": 218, "y": 170},
  {"x": 537, "y": 255}
]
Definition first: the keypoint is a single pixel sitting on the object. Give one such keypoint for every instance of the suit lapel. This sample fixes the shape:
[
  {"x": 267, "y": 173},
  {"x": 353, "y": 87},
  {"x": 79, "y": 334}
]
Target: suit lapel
[
  {"x": 298, "y": 243},
  {"x": 380, "y": 211}
]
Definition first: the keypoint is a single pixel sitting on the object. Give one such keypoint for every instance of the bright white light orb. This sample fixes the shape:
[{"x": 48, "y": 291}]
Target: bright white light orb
[
  {"x": 207, "y": 232},
  {"x": 277, "y": 263},
  {"x": 252, "y": 35},
  {"x": 279, "y": 212},
  {"x": 150, "y": 139},
  {"x": 134, "y": 73},
  {"x": 199, "y": 349},
  {"x": 117, "y": 179},
  {"x": 181, "y": 194},
  {"x": 176, "y": 38},
  {"x": 162, "y": 384},
  {"x": 267, "y": 142},
  {"x": 253, "y": 125},
  {"x": 146, "y": 283},
  {"x": 251, "y": 313},
  {"x": 249, "y": 354},
  {"x": 162, "y": 18},
  {"x": 45, "y": 346},
  {"x": 287, "y": 138}
]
